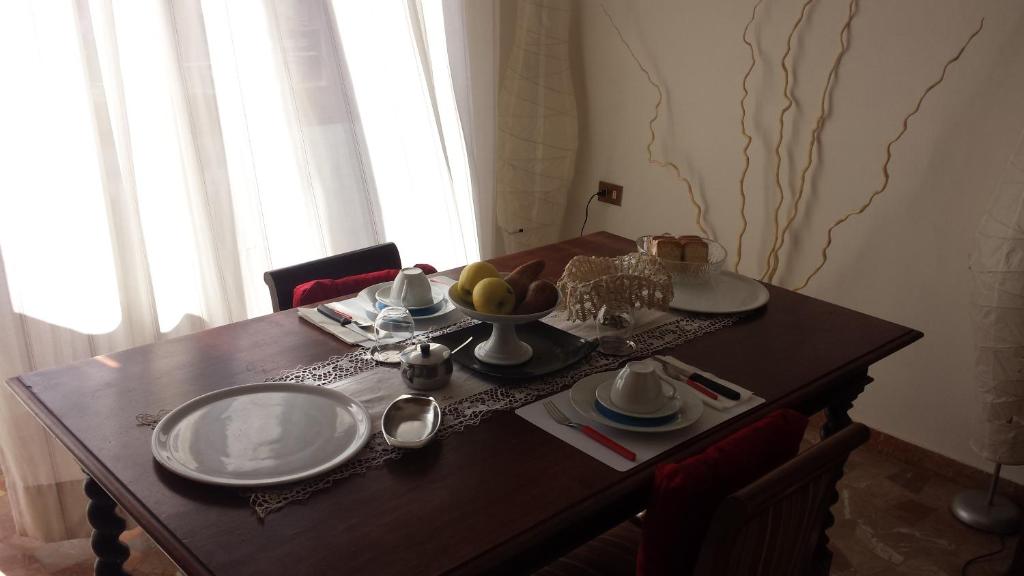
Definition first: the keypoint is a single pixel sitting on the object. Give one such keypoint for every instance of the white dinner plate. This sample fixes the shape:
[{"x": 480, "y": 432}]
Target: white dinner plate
[
  {"x": 722, "y": 293},
  {"x": 261, "y": 434},
  {"x": 584, "y": 394}
]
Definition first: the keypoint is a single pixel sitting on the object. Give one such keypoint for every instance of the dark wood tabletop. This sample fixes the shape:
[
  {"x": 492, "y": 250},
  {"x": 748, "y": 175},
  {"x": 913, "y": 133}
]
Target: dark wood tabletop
[{"x": 500, "y": 497}]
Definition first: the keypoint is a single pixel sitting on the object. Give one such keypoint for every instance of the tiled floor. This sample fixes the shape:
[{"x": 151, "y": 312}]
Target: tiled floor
[
  {"x": 894, "y": 519},
  {"x": 890, "y": 519}
]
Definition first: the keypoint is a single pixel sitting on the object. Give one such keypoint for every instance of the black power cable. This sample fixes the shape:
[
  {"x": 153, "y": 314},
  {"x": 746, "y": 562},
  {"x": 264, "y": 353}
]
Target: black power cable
[
  {"x": 1002, "y": 547},
  {"x": 586, "y": 214}
]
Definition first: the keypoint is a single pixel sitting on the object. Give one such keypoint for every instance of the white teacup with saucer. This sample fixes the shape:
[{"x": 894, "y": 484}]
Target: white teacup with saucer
[
  {"x": 411, "y": 289},
  {"x": 638, "y": 389}
]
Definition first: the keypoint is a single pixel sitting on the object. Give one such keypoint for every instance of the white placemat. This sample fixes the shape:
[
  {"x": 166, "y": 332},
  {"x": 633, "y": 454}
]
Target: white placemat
[{"x": 645, "y": 445}]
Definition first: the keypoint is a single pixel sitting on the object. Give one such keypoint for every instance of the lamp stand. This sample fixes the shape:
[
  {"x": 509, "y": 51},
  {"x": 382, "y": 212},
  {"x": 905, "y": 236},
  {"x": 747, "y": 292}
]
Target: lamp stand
[{"x": 987, "y": 511}]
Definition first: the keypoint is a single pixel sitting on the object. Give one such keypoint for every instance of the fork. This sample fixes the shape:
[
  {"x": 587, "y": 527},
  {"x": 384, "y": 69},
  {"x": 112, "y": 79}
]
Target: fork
[{"x": 558, "y": 416}]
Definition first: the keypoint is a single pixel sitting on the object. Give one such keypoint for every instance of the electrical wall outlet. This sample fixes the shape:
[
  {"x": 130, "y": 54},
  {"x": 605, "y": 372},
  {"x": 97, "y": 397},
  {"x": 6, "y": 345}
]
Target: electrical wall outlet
[{"x": 609, "y": 193}]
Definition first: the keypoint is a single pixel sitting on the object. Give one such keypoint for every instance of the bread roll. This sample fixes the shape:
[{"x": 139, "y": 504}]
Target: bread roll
[
  {"x": 668, "y": 248},
  {"x": 695, "y": 251}
]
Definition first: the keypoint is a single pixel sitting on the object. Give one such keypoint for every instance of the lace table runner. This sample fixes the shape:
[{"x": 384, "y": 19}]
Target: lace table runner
[{"x": 471, "y": 401}]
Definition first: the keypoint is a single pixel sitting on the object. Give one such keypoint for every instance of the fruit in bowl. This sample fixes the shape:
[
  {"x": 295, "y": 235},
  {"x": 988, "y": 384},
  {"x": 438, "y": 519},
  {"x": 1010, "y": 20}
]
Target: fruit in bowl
[
  {"x": 494, "y": 296},
  {"x": 522, "y": 277},
  {"x": 472, "y": 275},
  {"x": 540, "y": 296},
  {"x": 521, "y": 292},
  {"x": 504, "y": 301}
]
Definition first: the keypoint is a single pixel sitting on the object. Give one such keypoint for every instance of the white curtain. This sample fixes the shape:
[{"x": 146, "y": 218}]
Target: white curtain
[
  {"x": 157, "y": 156},
  {"x": 473, "y": 34}
]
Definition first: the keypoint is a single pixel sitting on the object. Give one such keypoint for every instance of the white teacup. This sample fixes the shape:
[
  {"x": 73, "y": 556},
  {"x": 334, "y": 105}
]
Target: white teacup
[
  {"x": 638, "y": 388},
  {"x": 411, "y": 288}
]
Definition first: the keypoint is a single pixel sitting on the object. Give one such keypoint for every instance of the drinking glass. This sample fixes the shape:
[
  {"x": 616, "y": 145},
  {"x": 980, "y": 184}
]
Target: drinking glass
[
  {"x": 393, "y": 326},
  {"x": 615, "y": 329}
]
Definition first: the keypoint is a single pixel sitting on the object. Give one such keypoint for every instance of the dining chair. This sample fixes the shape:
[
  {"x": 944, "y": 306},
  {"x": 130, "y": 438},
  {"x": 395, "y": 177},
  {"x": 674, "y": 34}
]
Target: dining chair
[
  {"x": 777, "y": 524},
  {"x": 282, "y": 282},
  {"x": 774, "y": 525}
]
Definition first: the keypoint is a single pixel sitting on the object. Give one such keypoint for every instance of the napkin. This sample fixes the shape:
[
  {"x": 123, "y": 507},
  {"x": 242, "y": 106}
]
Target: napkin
[
  {"x": 358, "y": 308},
  {"x": 350, "y": 336},
  {"x": 722, "y": 403}
]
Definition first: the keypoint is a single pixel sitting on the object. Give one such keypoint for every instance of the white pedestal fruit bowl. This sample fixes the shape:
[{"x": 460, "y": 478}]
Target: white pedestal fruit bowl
[{"x": 504, "y": 347}]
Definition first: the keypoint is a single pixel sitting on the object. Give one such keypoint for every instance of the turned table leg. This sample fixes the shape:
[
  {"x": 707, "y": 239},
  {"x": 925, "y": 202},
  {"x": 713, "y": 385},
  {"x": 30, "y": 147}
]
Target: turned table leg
[
  {"x": 837, "y": 411},
  {"x": 837, "y": 417},
  {"x": 107, "y": 527}
]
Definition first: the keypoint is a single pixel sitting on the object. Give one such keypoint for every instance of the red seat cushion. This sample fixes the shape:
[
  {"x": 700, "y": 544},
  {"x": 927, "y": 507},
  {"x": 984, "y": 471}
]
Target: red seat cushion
[
  {"x": 325, "y": 289},
  {"x": 686, "y": 494}
]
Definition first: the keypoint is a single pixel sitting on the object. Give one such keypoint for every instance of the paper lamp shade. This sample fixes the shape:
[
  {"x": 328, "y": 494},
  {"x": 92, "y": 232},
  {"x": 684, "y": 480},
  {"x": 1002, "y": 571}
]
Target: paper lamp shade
[
  {"x": 537, "y": 126},
  {"x": 997, "y": 307}
]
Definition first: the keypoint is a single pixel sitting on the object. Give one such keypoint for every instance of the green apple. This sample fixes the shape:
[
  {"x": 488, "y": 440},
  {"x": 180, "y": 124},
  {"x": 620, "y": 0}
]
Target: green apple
[
  {"x": 493, "y": 296},
  {"x": 472, "y": 275}
]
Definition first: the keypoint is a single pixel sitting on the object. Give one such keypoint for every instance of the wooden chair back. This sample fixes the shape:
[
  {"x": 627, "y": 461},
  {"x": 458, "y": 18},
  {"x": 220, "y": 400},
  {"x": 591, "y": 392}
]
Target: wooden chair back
[
  {"x": 777, "y": 524},
  {"x": 282, "y": 282}
]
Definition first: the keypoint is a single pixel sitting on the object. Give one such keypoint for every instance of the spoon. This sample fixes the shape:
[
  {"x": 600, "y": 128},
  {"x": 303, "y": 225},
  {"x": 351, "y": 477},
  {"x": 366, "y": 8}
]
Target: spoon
[{"x": 463, "y": 345}]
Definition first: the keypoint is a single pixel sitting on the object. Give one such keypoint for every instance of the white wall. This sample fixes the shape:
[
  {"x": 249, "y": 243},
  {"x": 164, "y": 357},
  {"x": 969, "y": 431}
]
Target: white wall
[{"x": 906, "y": 258}]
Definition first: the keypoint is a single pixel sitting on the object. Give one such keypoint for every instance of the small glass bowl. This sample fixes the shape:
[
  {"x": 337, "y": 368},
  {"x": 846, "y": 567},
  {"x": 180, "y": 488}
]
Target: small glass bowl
[
  {"x": 690, "y": 272},
  {"x": 393, "y": 326},
  {"x": 615, "y": 329}
]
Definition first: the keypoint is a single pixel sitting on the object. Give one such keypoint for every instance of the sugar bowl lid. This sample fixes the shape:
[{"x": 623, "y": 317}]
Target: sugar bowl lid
[{"x": 425, "y": 354}]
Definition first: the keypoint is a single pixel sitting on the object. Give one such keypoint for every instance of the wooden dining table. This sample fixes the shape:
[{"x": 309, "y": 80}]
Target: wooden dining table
[{"x": 501, "y": 497}]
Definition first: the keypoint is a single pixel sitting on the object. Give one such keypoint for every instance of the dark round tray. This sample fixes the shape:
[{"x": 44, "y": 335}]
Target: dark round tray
[{"x": 553, "y": 349}]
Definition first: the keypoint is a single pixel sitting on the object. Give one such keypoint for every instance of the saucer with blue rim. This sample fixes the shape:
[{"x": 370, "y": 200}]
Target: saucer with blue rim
[
  {"x": 632, "y": 420},
  {"x": 367, "y": 301},
  {"x": 583, "y": 396},
  {"x": 382, "y": 301}
]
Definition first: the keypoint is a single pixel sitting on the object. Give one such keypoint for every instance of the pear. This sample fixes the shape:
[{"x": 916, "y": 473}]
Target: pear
[
  {"x": 521, "y": 277},
  {"x": 541, "y": 295}
]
